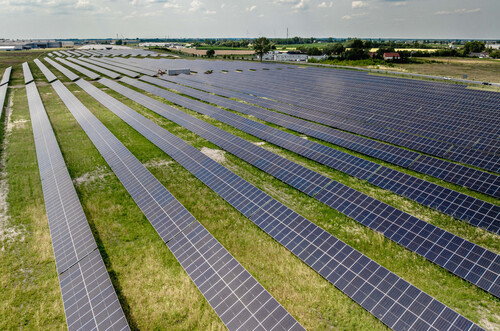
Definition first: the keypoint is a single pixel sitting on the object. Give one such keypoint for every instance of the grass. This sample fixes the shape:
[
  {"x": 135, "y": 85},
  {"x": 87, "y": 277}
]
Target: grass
[
  {"x": 31, "y": 298},
  {"x": 476, "y": 69},
  {"x": 154, "y": 290}
]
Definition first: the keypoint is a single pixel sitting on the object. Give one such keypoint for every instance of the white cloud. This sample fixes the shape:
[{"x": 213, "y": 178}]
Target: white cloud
[
  {"x": 359, "y": 4},
  {"x": 325, "y": 5},
  {"x": 195, "y": 5},
  {"x": 171, "y": 5},
  {"x": 261, "y": 16},
  {"x": 222, "y": 6},
  {"x": 297, "y": 5},
  {"x": 350, "y": 17},
  {"x": 252, "y": 8},
  {"x": 301, "y": 5},
  {"x": 458, "y": 11},
  {"x": 399, "y": 3},
  {"x": 209, "y": 12}
]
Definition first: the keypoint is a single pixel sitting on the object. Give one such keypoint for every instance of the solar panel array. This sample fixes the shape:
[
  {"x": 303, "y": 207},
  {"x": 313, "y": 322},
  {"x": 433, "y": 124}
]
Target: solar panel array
[
  {"x": 474, "y": 211},
  {"x": 6, "y": 76},
  {"x": 46, "y": 72},
  {"x": 110, "y": 67},
  {"x": 78, "y": 68},
  {"x": 28, "y": 77},
  {"x": 389, "y": 298},
  {"x": 103, "y": 71},
  {"x": 399, "y": 111},
  {"x": 451, "y": 172},
  {"x": 396, "y": 225},
  {"x": 220, "y": 278},
  {"x": 68, "y": 73},
  {"x": 460, "y": 175},
  {"x": 90, "y": 301}
]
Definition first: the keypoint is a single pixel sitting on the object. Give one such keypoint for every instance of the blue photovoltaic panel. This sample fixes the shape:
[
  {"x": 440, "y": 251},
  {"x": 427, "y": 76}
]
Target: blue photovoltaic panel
[
  {"x": 383, "y": 218},
  {"x": 291, "y": 173},
  {"x": 389, "y": 298},
  {"x": 78, "y": 68},
  {"x": 110, "y": 67},
  {"x": 200, "y": 253},
  {"x": 90, "y": 301},
  {"x": 66, "y": 72},
  {"x": 385, "y": 109},
  {"x": 72, "y": 238},
  {"x": 6, "y": 76},
  {"x": 103, "y": 71},
  {"x": 28, "y": 77},
  {"x": 46, "y": 72},
  {"x": 474, "y": 211},
  {"x": 3, "y": 94},
  {"x": 454, "y": 173}
]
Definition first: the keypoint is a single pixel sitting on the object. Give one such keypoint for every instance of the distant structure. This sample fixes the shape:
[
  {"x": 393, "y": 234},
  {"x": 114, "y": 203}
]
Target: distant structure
[
  {"x": 482, "y": 55},
  {"x": 493, "y": 46},
  {"x": 293, "y": 56},
  {"x": 19, "y": 45},
  {"x": 391, "y": 56}
]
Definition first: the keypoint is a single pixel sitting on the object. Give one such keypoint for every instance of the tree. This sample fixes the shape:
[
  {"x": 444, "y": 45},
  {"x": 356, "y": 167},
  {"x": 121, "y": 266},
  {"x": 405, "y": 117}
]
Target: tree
[
  {"x": 119, "y": 42},
  {"x": 210, "y": 52},
  {"x": 474, "y": 47},
  {"x": 261, "y": 46},
  {"x": 334, "y": 49},
  {"x": 313, "y": 51}
]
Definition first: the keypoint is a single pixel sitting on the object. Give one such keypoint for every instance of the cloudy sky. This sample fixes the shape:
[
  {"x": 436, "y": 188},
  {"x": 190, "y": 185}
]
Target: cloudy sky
[{"x": 237, "y": 18}]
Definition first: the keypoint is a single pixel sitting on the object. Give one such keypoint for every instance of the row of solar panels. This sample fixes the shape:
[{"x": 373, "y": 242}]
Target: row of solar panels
[
  {"x": 392, "y": 318},
  {"x": 240, "y": 301},
  {"x": 396, "y": 225},
  {"x": 4, "y": 84},
  {"x": 345, "y": 112},
  {"x": 459, "y": 205},
  {"x": 399, "y": 222},
  {"x": 457, "y": 174},
  {"x": 454, "y": 173},
  {"x": 90, "y": 301}
]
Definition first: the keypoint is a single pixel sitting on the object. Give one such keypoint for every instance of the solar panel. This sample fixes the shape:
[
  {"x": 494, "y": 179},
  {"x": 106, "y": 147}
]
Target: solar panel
[
  {"x": 474, "y": 179},
  {"x": 6, "y": 76},
  {"x": 197, "y": 250},
  {"x": 46, "y": 72},
  {"x": 28, "y": 77},
  {"x": 3, "y": 94},
  {"x": 369, "y": 284},
  {"x": 399, "y": 221},
  {"x": 355, "y": 110},
  {"x": 474, "y": 211},
  {"x": 90, "y": 301},
  {"x": 110, "y": 67},
  {"x": 82, "y": 70},
  {"x": 103, "y": 71},
  {"x": 71, "y": 76},
  {"x": 117, "y": 63},
  {"x": 88, "y": 295}
]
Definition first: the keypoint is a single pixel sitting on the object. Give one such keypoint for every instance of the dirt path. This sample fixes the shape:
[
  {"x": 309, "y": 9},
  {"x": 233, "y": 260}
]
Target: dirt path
[{"x": 7, "y": 231}]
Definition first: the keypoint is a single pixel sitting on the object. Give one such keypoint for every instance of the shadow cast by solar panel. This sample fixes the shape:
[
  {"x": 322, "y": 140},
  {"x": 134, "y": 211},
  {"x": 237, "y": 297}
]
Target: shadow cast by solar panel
[{"x": 109, "y": 267}]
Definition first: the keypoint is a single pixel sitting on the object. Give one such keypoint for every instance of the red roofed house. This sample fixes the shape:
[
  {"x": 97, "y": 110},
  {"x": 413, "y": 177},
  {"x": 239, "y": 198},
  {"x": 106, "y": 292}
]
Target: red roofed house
[{"x": 391, "y": 56}]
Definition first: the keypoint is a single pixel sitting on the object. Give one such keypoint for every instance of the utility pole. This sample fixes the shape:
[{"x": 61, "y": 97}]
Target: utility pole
[{"x": 286, "y": 33}]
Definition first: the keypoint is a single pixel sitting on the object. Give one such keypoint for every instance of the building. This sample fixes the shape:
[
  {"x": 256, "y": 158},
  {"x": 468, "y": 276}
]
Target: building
[
  {"x": 482, "y": 55},
  {"x": 391, "y": 56},
  {"x": 18, "y": 45},
  {"x": 493, "y": 46}
]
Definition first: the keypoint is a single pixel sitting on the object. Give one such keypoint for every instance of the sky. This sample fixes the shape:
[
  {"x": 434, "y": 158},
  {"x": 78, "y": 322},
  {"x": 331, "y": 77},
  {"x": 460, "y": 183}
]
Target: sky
[{"x": 419, "y": 19}]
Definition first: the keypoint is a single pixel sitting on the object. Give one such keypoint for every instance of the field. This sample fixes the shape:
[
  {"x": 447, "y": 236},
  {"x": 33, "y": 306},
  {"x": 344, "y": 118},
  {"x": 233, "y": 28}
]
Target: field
[
  {"x": 154, "y": 290},
  {"x": 218, "y": 51},
  {"x": 476, "y": 69}
]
